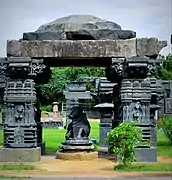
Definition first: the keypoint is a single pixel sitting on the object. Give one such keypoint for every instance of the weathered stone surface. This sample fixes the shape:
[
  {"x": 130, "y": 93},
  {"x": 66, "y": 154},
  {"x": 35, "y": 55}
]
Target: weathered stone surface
[
  {"x": 96, "y": 34},
  {"x": 77, "y": 22},
  {"x": 79, "y": 27},
  {"x": 146, "y": 154},
  {"x": 20, "y": 154},
  {"x": 82, "y": 156},
  {"x": 72, "y": 49},
  {"x": 149, "y": 46}
]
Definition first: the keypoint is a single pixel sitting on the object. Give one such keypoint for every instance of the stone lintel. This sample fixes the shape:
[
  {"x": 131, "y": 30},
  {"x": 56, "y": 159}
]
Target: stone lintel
[
  {"x": 77, "y": 49},
  {"x": 72, "y": 49}
]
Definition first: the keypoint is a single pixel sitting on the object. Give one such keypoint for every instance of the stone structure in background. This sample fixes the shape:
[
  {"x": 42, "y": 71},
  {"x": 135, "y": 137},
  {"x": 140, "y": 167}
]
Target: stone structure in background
[
  {"x": 77, "y": 139},
  {"x": 75, "y": 91},
  {"x": 104, "y": 96},
  {"x": 165, "y": 103},
  {"x": 129, "y": 61}
]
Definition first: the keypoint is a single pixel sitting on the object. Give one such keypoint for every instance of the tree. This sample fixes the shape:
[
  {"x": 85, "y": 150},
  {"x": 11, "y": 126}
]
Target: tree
[
  {"x": 53, "y": 90},
  {"x": 165, "y": 70}
]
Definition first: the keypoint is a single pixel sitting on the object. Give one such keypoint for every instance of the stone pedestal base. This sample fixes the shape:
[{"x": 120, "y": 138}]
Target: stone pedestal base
[
  {"x": 20, "y": 154},
  {"x": 146, "y": 154},
  {"x": 82, "y": 156},
  {"x": 77, "y": 145}
]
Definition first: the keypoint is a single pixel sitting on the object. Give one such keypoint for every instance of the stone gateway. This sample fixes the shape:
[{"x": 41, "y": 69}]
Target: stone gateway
[{"x": 77, "y": 40}]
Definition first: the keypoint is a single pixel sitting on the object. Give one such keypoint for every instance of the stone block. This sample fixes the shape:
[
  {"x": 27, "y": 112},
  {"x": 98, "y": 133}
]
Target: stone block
[
  {"x": 149, "y": 46},
  {"x": 20, "y": 154},
  {"x": 146, "y": 154},
  {"x": 82, "y": 156},
  {"x": 72, "y": 49}
]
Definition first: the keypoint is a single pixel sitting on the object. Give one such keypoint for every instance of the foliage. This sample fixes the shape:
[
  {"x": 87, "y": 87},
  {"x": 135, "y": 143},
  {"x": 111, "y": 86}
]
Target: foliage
[
  {"x": 122, "y": 141},
  {"x": 165, "y": 70},
  {"x": 53, "y": 90},
  {"x": 165, "y": 123}
]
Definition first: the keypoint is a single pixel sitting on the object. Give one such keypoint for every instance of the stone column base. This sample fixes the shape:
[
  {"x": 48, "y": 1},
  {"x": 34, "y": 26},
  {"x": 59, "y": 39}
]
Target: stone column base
[
  {"x": 20, "y": 154},
  {"x": 146, "y": 154}
]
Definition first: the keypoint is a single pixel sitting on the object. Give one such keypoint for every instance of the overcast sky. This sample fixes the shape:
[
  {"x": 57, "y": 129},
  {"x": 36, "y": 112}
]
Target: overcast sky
[{"x": 149, "y": 18}]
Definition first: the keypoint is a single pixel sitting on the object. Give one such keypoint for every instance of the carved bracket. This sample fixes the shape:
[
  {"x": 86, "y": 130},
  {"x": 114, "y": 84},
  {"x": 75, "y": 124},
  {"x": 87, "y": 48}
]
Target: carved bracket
[
  {"x": 134, "y": 67},
  {"x": 22, "y": 67}
]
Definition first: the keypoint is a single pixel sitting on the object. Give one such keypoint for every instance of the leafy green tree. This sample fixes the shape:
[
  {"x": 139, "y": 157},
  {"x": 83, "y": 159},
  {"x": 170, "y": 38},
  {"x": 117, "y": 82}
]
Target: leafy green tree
[{"x": 165, "y": 70}]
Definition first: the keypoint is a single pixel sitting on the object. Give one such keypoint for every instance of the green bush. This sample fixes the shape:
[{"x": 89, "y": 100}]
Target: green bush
[
  {"x": 122, "y": 140},
  {"x": 165, "y": 123}
]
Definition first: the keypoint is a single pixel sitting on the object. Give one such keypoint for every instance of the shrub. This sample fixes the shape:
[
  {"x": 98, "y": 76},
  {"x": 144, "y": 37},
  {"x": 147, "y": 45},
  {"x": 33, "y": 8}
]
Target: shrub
[
  {"x": 122, "y": 141},
  {"x": 165, "y": 123}
]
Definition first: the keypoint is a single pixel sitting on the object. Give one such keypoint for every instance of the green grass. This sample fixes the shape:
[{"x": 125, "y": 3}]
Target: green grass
[
  {"x": 17, "y": 167},
  {"x": 145, "y": 167},
  {"x": 164, "y": 147}
]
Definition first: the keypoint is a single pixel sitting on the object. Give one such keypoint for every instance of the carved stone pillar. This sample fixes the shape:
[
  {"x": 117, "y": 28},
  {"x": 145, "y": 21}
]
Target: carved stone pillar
[
  {"x": 21, "y": 115},
  {"x": 133, "y": 97},
  {"x": 3, "y": 66}
]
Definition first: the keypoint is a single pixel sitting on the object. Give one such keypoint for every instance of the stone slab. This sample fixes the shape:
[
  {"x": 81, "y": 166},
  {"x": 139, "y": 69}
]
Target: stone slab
[
  {"x": 20, "y": 154},
  {"x": 98, "y": 34},
  {"x": 77, "y": 156},
  {"x": 146, "y": 154},
  {"x": 72, "y": 49}
]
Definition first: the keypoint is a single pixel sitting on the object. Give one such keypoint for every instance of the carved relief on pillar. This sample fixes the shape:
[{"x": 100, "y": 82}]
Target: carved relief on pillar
[
  {"x": 24, "y": 67},
  {"x": 18, "y": 135},
  {"x": 18, "y": 117}
]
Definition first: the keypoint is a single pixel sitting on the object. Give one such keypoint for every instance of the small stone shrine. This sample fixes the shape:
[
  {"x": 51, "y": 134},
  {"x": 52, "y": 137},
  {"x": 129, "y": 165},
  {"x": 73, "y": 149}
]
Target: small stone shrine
[
  {"x": 76, "y": 40},
  {"x": 77, "y": 143}
]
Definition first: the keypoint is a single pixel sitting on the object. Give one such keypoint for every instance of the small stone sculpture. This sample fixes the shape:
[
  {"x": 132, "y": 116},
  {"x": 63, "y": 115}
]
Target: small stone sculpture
[{"x": 79, "y": 127}]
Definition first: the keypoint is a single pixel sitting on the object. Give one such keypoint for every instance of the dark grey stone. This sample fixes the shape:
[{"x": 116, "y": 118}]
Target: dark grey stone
[
  {"x": 79, "y": 127},
  {"x": 98, "y": 34},
  {"x": 78, "y": 130},
  {"x": 77, "y": 22},
  {"x": 79, "y": 27},
  {"x": 146, "y": 154}
]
